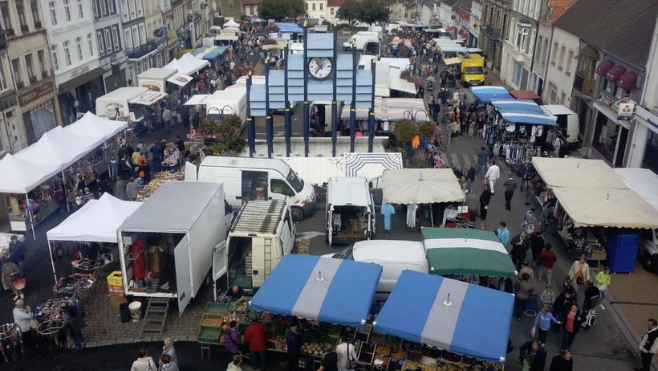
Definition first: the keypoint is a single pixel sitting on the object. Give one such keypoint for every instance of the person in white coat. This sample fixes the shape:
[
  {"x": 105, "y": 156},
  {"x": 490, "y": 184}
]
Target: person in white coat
[
  {"x": 345, "y": 352},
  {"x": 579, "y": 272},
  {"x": 144, "y": 362},
  {"x": 22, "y": 315},
  {"x": 411, "y": 215},
  {"x": 492, "y": 175}
]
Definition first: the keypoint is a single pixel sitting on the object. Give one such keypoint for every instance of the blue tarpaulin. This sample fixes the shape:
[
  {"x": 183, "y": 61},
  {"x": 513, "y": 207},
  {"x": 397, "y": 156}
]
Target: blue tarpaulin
[
  {"x": 322, "y": 289},
  {"x": 529, "y": 118},
  {"x": 517, "y": 106},
  {"x": 210, "y": 53},
  {"x": 475, "y": 322},
  {"x": 486, "y": 94},
  {"x": 289, "y": 28}
]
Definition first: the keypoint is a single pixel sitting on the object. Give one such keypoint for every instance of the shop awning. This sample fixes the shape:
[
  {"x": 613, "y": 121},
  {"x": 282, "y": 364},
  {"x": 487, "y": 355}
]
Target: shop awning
[
  {"x": 421, "y": 186},
  {"x": 517, "y": 106},
  {"x": 231, "y": 23},
  {"x": 604, "y": 67},
  {"x": 529, "y": 118},
  {"x": 615, "y": 73},
  {"x": 524, "y": 94},
  {"x": 607, "y": 207},
  {"x": 627, "y": 81},
  {"x": 466, "y": 251},
  {"x": 486, "y": 94},
  {"x": 25, "y": 175},
  {"x": 180, "y": 79},
  {"x": 321, "y": 289},
  {"x": 450, "y": 28},
  {"x": 73, "y": 83},
  {"x": 577, "y": 173},
  {"x": 464, "y": 14},
  {"x": 91, "y": 125},
  {"x": 210, "y": 53},
  {"x": 448, "y": 314},
  {"x": 148, "y": 98}
]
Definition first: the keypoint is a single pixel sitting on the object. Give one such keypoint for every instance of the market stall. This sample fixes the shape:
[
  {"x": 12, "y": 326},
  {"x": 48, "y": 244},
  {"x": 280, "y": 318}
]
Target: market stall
[
  {"x": 97, "y": 221},
  {"x": 576, "y": 173},
  {"x": 454, "y": 316},
  {"x": 458, "y": 251},
  {"x": 486, "y": 94},
  {"x": 210, "y": 53}
]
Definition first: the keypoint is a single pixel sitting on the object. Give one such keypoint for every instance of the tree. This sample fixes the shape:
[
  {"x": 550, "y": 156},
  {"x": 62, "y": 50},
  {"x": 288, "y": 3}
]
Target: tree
[
  {"x": 349, "y": 11},
  {"x": 373, "y": 11},
  {"x": 281, "y": 9}
]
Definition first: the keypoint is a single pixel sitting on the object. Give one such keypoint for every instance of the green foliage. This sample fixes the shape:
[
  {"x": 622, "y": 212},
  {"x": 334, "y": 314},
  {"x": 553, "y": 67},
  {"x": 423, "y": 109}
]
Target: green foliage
[
  {"x": 426, "y": 129},
  {"x": 280, "y": 9},
  {"x": 228, "y": 137},
  {"x": 368, "y": 11},
  {"x": 405, "y": 130},
  {"x": 349, "y": 11}
]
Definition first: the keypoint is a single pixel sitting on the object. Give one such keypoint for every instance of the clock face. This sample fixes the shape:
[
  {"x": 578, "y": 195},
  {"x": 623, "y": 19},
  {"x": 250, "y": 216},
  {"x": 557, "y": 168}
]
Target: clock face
[{"x": 320, "y": 68}]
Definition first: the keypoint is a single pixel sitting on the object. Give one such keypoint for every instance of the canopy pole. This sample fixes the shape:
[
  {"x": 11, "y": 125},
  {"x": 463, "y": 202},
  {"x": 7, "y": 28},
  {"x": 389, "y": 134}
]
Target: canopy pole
[
  {"x": 52, "y": 262},
  {"x": 29, "y": 211},
  {"x": 68, "y": 210},
  {"x": 431, "y": 215}
]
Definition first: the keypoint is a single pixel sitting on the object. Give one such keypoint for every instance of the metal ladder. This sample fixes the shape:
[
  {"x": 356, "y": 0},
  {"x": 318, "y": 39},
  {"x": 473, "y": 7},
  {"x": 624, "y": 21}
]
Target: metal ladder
[
  {"x": 267, "y": 258},
  {"x": 156, "y": 316}
]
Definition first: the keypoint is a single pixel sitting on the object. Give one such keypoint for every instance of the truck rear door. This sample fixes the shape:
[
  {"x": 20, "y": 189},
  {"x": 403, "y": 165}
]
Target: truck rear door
[
  {"x": 190, "y": 172},
  {"x": 183, "y": 274}
]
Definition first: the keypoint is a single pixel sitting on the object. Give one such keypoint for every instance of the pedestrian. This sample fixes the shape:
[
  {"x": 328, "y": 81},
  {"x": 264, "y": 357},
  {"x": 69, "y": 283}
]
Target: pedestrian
[
  {"x": 329, "y": 362},
  {"x": 503, "y": 233},
  {"x": 256, "y": 337},
  {"x": 144, "y": 362},
  {"x": 169, "y": 350},
  {"x": 166, "y": 117},
  {"x": 87, "y": 196},
  {"x": 603, "y": 280},
  {"x": 346, "y": 355},
  {"x": 22, "y": 317},
  {"x": 120, "y": 189},
  {"x": 520, "y": 245},
  {"x": 473, "y": 204},
  {"x": 525, "y": 268},
  {"x": 17, "y": 250},
  {"x": 562, "y": 362},
  {"x": 492, "y": 175},
  {"x": 113, "y": 167},
  {"x": 579, "y": 272},
  {"x": 648, "y": 345},
  {"x": 411, "y": 215},
  {"x": 547, "y": 297},
  {"x": 545, "y": 262},
  {"x": 470, "y": 178},
  {"x": 294, "y": 344},
  {"x": 232, "y": 340},
  {"x": 563, "y": 303},
  {"x": 529, "y": 221},
  {"x": 9, "y": 275},
  {"x": 524, "y": 172},
  {"x": 485, "y": 198},
  {"x": 571, "y": 326},
  {"x": 74, "y": 322},
  {"x": 235, "y": 364},
  {"x": 546, "y": 210},
  {"x": 180, "y": 145},
  {"x": 523, "y": 293},
  {"x": 543, "y": 323},
  {"x": 591, "y": 296},
  {"x": 387, "y": 210},
  {"x": 536, "y": 246},
  {"x": 532, "y": 356},
  {"x": 132, "y": 189},
  {"x": 166, "y": 364},
  {"x": 510, "y": 186},
  {"x": 156, "y": 156}
]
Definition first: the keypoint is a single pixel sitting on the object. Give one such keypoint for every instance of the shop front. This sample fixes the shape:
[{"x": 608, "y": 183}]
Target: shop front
[
  {"x": 644, "y": 150},
  {"x": 78, "y": 90},
  {"x": 38, "y": 110},
  {"x": 611, "y": 132},
  {"x": 115, "y": 71}
]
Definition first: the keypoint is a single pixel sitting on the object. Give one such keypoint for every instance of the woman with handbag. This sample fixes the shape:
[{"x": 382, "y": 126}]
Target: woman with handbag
[
  {"x": 24, "y": 319},
  {"x": 346, "y": 355},
  {"x": 144, "y": 362},
  {"x": 11, "y": 279},
  {"x": 579, "y": 272}
]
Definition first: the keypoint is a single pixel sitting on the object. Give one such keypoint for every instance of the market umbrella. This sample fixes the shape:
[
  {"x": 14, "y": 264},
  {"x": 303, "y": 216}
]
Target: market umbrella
[
  {"x": 451, "y": 315},
  {"x": 322, "y": 289},
  {"x": 231, "y": 23},
  {"x": 421, "y": 186},
  {"x": 577, "y": 173},
  {"x": 466, "y": 251}
]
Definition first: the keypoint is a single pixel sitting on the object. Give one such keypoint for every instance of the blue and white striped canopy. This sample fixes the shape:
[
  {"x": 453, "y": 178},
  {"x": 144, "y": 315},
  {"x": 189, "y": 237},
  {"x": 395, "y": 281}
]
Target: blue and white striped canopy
[
  {"x": 322, "y": 289},
  {"x": 289, "y": 27},
  {"x": 210, "y": 53},
  {"x": 486, "y": 94},
  {"x": 476, "y": 323},
  {"x": 518, "y": 106},
  {"x": 529, "y": 118}
]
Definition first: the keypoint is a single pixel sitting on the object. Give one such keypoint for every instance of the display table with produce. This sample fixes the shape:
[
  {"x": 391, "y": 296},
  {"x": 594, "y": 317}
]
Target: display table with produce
[{"x": 159, "y": 179}]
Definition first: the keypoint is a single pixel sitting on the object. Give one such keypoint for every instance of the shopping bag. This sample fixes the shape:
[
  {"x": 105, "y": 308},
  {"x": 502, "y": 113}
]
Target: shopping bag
[
  {"x": 532, "y": 331},
  {"x": 19, "y": 283}
]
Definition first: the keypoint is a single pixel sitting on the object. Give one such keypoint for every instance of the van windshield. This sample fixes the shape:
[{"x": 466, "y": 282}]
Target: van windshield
[
  {"x": 296, "y": 183},
  {"x": 473, "y": 71},
  {"x": 344, "y": 254}
]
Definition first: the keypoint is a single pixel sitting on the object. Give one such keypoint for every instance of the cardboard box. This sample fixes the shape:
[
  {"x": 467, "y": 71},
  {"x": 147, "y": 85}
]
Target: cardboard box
[{"x": 116, "y": 300}]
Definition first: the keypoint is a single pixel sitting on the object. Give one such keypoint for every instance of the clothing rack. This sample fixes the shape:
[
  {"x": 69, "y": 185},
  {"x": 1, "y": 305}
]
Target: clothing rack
[{"x": 520, "y": 153}]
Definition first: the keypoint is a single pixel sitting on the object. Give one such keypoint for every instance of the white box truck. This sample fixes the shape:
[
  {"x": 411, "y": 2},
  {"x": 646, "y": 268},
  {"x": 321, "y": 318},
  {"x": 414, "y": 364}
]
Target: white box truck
[
  {"x": 262, "y": 233},
  {"x": 247, "y": 178},
  {"x": 116, "y": 105},
  {"x": 567, "y": 121},
  {"x": 166, "y": 246},
  {"x": 155, "y": 79},
  {"x": 360, "y": 39},
  {"x": 350, "y": 210}
]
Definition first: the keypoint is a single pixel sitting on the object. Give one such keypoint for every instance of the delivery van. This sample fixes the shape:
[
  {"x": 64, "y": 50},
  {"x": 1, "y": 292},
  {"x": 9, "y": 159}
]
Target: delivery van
[
  {"x": 155, "y": 79},
  {"x": 393, "y": 256},
  {"x": 567, "y": 120},
  {"x": 359, "y": 40},
  {"x": 261, "y": 234},
  {"x": 247, "y": 178},
  {"x": 472, "y": 69},
  {"x": 120, "y": 103},
  {"x": 350, "y": 210}
]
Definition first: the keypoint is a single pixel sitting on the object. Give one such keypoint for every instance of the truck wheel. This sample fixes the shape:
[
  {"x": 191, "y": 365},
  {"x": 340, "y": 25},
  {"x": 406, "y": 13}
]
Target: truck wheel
[
  {"x": 297, "y": 214},
  {"x": 650, "y": 262}
]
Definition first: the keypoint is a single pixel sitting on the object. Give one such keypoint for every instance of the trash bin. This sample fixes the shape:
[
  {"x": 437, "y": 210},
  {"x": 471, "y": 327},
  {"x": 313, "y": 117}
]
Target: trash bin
[
  {"x": 135, "y": 310},
  {"x": 124, "y": 312}
]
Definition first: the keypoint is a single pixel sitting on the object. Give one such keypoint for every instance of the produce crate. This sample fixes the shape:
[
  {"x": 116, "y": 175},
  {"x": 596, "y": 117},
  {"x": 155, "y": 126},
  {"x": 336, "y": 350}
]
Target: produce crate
[
  {"x": 211, "y": 320},
  {"x": 209, "y": 334},
  {"x": 242, "y": 281},
  {"x": 410, "y": 365},
  {"x": 216, "y": 308},
  {"x": 115, "y": 278}
]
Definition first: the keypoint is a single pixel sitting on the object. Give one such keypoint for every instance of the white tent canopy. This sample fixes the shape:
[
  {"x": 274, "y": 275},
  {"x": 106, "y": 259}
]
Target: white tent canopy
[
  {"x": 231, "y": 23},
  {"x": 421, "y": 186},
  {"x": 25, "y": 175},
  {"x": 93, "y": 126},
  {"x": 187, "y": 64},
  {"x": 97, "y": 221},
  {"x": 606, "y": 207},
  {"x": 642, "y": 181},
  {"x": 59, "y": 147},
  {"x": 577, "y": 173}
]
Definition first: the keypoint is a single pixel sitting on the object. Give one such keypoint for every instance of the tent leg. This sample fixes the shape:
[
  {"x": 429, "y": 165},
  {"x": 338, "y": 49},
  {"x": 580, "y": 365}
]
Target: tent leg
[
  {"x": 52, "y": 262},
  {"x": 431, "y": 215},
  {"x": 27, "y": 201},
  {"x": 68, "y": 209}
]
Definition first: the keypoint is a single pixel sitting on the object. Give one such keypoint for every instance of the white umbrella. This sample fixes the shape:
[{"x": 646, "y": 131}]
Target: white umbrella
[{"x": 231, "y": 23}]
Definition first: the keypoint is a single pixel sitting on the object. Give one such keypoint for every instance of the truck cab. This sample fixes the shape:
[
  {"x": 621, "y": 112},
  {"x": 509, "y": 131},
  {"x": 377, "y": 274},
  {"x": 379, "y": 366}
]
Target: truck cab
[
  {"x": 472, "y": 68},
  {"x": 350, "y": 210}
]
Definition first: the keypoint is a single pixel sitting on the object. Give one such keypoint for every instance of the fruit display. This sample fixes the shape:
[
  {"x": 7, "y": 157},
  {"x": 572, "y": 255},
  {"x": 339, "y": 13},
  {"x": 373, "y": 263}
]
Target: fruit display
[
  {"x": 315, "y": 349},
  {"x": 447, "y": 366},
  {"x": 159, "y": 179},
  {"x": 398, "y": 355},
  {"x": 239, "y": 307},
  {"x": 382, "y": 356},
  {"x": 429, "y": 367}
]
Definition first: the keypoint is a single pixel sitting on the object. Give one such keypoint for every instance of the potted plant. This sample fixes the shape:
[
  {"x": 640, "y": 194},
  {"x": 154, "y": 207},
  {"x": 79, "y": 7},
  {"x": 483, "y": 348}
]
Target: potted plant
[
  {"x": 476, "y": 25},
  {"x": 426, "y": 129}
]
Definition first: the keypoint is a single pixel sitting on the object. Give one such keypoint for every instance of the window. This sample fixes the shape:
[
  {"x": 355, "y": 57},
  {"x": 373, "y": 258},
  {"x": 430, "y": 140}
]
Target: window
[
  {"x": 124, "y": 10},
  {"x": 78, "y": 47},
  {"x": 3, "y": 79},
  {"x": 29, "y": 67},
  {"x": 81, "y": 10},
  {"x": 128, "y": 38},
  {"x": 313, "y": 6},
  {"x": 110, "y": 7},
  {"x": 103, "y": 8},
  {"x": 321, "y": 6},
  {"x": 544, "y": 52},
  {"x": 136, "y": 36},
  {"x": 331, "y": 10},
  {"x": 554, "y": 53},
  {"x": 563, "y": 98},
  {"x": 521, "y": 38},
  {"x": 53, "y": 57},
  {"x": 16, "y": 67},
  {"x": 6, "y": 20},
  {"x": 553, "y": 90},
  {"x": 560, "y": 62},
  {"x": 540, "y": 42},
  {"x": 90, "y": 44},
  {"x": 67, "y": 53},
  {"x": 569, "y": 62},
  {"x": 99, "y": 40},
  {"x": 34, "y": 7},
  {"x": 306, "y": 6},
  {"x": 142, "y": 34},
  {"x": 140, "y": 11},
  {"x": 108, "y": 42},
  {"x": 67, "y": 10},
  {"x": 41, "y": 56},
  {"x": 511, "y": 37},
  {"x": 518, "y": 70},
  {"x": 20, "y": 10},
  {"x": 95, "y": 7},
  {"x": 115, "y": 38},
  {"x": 53, "y": 13}
]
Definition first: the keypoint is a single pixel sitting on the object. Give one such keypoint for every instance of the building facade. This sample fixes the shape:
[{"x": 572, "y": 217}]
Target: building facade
[
  {"x": 156, "y": 35},
  {"x": 474, "y": 26},
  {"x": 28, "y": 104},
  {"x": 562, "y": 60},
  {"x": 462, "y": 17},
  {"x": 134, "y": 34},
  {"x": 519, "y": 45},
  {"x": 109, "y": 38},
  {"x": 495, "y": 20}
]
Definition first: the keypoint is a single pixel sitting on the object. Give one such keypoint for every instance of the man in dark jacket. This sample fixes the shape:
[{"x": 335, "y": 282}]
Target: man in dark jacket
[
  {"x": 510, "y": 186},
  {"x": 533, "y": 354},
  {"x": 17, "y": 252},
  {"x": 562, "y": 362},
  {"x": 485, "y": 197},
  {"x": 520, "y": 245},
  {"x": 294, "y": 343}
]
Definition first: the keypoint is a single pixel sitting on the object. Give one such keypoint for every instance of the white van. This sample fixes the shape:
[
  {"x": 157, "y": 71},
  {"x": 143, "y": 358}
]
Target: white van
[
  {"x": 393, "y": 256},
  {"x": 350, "y": 210},
  {"x": 360, "y": 39},
  {"x": 324, "y": 115},
  {"x": 262, "y": 233},
  {"x": 567, "y": 120},
  {"x": 247, "y": 178}
]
